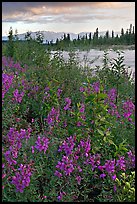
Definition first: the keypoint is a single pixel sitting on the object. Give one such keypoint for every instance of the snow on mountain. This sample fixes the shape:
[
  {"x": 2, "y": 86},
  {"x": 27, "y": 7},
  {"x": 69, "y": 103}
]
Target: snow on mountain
[
  {"x": 4, "y": 38},
  {"x": 52, "y": 36}
]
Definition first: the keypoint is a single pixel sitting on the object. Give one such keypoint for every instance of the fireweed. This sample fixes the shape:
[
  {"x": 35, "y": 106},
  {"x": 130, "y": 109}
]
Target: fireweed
[
  {"x": 68, "y": 103},
  {"x": 21, "y": 179},
  {"x": 74, "y": 159},
  {"x": 77, "y": 155},
  {"x": 7, "y": 62},
  {"x": 18, "y": 97},
  {"x": 7, "y": 80}
]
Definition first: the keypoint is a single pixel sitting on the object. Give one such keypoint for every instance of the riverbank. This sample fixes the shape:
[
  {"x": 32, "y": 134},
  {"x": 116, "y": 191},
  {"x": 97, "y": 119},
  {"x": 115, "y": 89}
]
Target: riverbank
[
  {"x": 89, "y": 47},
  {"x": 115, "y": 47}
]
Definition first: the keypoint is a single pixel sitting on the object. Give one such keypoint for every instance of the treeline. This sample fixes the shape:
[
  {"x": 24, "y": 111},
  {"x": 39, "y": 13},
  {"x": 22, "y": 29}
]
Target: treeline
[
  {"x": 85, "y": 42},
  {"x": 126, "y": 38}
]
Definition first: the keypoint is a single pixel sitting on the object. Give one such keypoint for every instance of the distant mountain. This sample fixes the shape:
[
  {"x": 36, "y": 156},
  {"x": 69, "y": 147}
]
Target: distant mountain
[
  {"x": 52, "y": 36},
  {"x": 4, "y": 38}
]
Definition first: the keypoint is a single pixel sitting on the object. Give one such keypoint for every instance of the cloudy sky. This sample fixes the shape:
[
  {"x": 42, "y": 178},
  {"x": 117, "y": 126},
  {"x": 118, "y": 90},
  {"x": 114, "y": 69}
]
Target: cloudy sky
[{"x": 73, "y": 17}]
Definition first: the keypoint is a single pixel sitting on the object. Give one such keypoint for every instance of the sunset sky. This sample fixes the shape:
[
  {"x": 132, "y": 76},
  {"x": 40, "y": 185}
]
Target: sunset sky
[{"x": 73, "y": 17}]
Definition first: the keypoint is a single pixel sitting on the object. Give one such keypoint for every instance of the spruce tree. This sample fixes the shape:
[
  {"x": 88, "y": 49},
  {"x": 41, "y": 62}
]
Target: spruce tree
[
  {"x": 28, "y": 36},
  {"x": 122, "y": 32},
  {"x": 68, "y": 37},
  {"x": 112, "y": 34},
  {"x": 97, "y": 33},
  {"x": 133, "y": 32},
  {"x": 39, "y": 37},
  {"x": 90, "y": 36},
  {"x": 16, "y": 35},
  {"x": 107, "y": 34},
  {"x": 10, "y": 47}
]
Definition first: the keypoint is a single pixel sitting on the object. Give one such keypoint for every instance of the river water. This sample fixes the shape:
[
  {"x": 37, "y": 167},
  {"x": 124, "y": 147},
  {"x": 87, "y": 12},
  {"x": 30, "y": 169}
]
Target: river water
[{"x": 94, "y": 57}]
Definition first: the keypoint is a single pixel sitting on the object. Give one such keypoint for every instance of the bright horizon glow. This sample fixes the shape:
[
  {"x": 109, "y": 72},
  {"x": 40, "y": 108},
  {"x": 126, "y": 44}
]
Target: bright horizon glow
[{"x": 68, "y": 17}]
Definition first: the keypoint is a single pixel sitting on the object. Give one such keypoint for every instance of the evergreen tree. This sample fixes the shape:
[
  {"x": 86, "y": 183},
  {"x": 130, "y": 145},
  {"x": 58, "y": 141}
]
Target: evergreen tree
[
  {"x": 133, "y": 30},
  {"x": 86, "y": 36},
  {"x": 90, "y": 36},
  {"x": 117, "y": 36},
  {"x": 112, "y": 34},
  {"x": 127, "y": 32},
  {"x": 64, "y": 37},
  {"x": 28, "y": 36},
  {"x": 10, "y": 47},
  {"x": 51, "y": 42},
  {"x": 94, "y": 35},
  {"x": 39, "y": 37},
  {"x": 97, "y": 33},
  {"x": 68, "y": 37},
  {"x": 130, "y": 29},
  {"x": 107, "y": 34},
  {"x": 16, "y": 35},
  {"x": 122, "y": 32},
  {"x": 57, "y": 41}
]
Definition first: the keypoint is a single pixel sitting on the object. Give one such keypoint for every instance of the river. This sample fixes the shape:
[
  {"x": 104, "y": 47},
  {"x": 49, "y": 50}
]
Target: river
[{"x": 94, "y": 57}]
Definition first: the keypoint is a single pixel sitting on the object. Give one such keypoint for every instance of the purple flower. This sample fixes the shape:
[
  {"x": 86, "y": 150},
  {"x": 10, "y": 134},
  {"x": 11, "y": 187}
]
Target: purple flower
[
  {"x": 115, "y": 188},
  {"x": 59, "y": 91},
  {"x": 8, "y": 157},
  {"x": 128, "y": 108},
  {"x": 102, "y": 175},
  {"x": 18, "y": 96},
  {"x": 121, "y": 163},
  {"x": 67, "y": 146},
  {"x": 78, "y": 178},
  {"x": 42, "y": 144},
  {"x": 112, "y": 105},
  {"x": 65, "y": 123},
  {"x": 131, "y": 160},
  {"x": 61, "y": 195},
  {"x": 58, "y": 174},
  {"x": 21, "y": 179},
  {"x": 79, "y": 124},
  {"x": 65, "y": 165},
  {"x": 127, "y": 114},
  {"x": 79, "y": 169},
  {"x": 93, "y": 160},
  {"x": 96, "y": 87},
  {"x": 82, "y": 108},
  {"x": 47, "y": 88},
  {"x": 7, "y": 80},
  {"x": 32, "y": 147},
  {"x": 83, "y": 117},
  {"x": 114, "y": 177},
  {"x": 53, "y": 116},
  {"x": 67, "y": 107},
  {"x": 112, "y": 94},
  {"x": 86, "y": 146},
  {"x": 101, "y": 168},
  {"x": 82, "y": 89},
  {"x": 110, "y": 166}
]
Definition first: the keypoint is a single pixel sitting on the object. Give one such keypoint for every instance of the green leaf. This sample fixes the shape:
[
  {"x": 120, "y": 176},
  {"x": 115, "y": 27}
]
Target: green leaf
[
  {"x": 102, "y": 96},
  {"x": 100, "y": 132},
  {"x": 125, "y": 149},
  {"x": 105, "y": 139},
  {"x": 89, "y": 98},
  {"x": 111, "y": 142},
  {"x": 127, "y": 184}
]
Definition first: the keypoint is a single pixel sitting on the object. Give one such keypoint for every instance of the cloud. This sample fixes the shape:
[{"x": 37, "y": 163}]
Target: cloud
[{"x": 20, "y": 11}]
